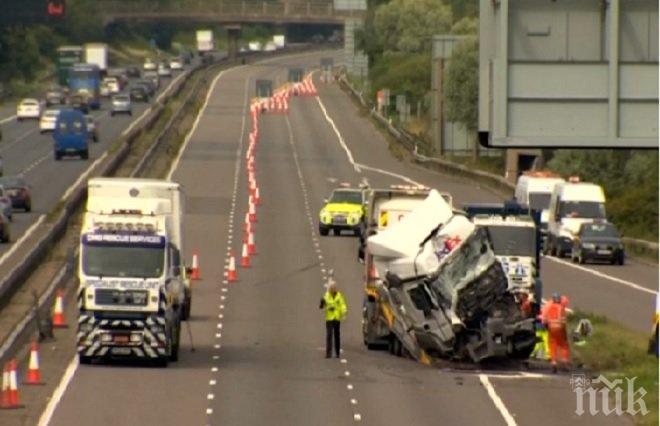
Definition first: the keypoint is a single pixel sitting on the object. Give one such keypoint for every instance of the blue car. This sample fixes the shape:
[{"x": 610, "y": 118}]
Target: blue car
[{"x": 71, "y": 135}]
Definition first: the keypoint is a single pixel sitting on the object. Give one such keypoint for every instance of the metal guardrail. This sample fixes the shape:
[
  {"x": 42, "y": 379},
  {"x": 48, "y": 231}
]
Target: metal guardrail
[{"x": 499, "y": 183}]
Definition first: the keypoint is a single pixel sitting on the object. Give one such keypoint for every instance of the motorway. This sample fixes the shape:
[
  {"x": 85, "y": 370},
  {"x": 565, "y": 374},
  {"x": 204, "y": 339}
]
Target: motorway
[
  {"x": 25, "y": 151},
  {"x": 258, "y": 343}
]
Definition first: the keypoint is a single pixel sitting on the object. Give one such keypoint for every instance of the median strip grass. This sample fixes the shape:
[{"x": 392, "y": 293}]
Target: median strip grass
[{"x": 618, "y": 352}]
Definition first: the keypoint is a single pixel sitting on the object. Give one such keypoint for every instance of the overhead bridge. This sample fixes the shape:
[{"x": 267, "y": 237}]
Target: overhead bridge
[{"x": 228, "y": 12}]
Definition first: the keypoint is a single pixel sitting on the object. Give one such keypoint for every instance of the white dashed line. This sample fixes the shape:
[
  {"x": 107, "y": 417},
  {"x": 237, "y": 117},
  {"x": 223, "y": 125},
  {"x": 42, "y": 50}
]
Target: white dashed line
[{"x": 508, "y": 418}]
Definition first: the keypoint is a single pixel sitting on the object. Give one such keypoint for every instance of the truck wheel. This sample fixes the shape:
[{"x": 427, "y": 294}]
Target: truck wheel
[
  {"x": 323, "y": 231},
  {"x": 85, "y": 360},
  {"x": 58, "y": 156},
  {"x": 84, "y": 155},
  {"x": 28, "y": 207},
  {"x": 336, "y": 231},
  {"x": 5, "y": 237}
]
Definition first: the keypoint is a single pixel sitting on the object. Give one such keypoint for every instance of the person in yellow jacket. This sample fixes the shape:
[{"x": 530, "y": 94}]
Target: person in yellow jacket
[{"x": 335, "y": 312}]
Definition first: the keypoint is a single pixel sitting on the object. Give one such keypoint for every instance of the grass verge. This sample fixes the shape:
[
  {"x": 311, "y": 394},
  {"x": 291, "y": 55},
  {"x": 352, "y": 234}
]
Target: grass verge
[{"x": 617, "y": 352}]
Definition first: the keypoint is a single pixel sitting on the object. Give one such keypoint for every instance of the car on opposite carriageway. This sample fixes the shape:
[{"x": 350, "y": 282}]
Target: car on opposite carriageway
[
  {"x": 344, "y": 211},
  {"x": 18, "y": 191},
  {"x": 598, "y": 241}
]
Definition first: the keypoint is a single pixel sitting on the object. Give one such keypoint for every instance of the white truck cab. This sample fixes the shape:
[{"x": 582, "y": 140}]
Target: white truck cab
[
  {"x": 133, "y": 290},
  {"x": 514, "y": 243},
  {"x": 572, "y": 203}
]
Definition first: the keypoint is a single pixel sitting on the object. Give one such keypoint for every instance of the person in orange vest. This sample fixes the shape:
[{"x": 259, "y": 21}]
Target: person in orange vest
[{"x": 554, "y": 319}]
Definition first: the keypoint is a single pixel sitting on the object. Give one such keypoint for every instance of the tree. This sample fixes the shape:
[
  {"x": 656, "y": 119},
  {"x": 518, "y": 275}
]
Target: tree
[{"x": 409, "y": 25}]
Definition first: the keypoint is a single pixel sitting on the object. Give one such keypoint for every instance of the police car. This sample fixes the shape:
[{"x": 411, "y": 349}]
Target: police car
[{"x": 343, "y": 211}]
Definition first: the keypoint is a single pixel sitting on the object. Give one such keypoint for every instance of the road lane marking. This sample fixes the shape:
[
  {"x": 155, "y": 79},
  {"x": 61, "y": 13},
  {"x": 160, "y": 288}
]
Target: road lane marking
[
  {"x": 7, "y": 120},
  {"x": 55, "y": 399},
  {"x": 200, "y": 113},
  {"x": 602, "y": 275},
  {"x": 22, "y": 239},
  {"x": 499, "y": 404},
  {"x": 359, "y": 166},
  {"x": 16, "y": 140}
]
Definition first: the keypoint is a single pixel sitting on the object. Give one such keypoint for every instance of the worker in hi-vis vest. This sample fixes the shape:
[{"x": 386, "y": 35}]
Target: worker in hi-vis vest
[{"x": 335, "y": 312}]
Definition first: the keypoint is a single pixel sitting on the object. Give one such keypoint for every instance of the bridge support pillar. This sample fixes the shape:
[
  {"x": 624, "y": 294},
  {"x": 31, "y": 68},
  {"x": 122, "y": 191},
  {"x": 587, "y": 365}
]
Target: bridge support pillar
[{"x": 233, "y": 33}]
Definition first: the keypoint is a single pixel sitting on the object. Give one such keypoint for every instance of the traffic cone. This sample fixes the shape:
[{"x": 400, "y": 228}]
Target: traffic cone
[
  {"x": 257, "y": 198},
  {"x": 4, "y": 397},
  {"x": 33, "y": 374},
  {"x": 252, "y": 213},
  {"x": 231, "y": 271},
  {"x": 252, "y": 249},
  {"x": 10, "y": 398},
  {"x": 253, "y": 187},
  {"x": 245, "y": 257},
  {"x": 58, "y": 311},
  {"x": 195, "y": 267}
]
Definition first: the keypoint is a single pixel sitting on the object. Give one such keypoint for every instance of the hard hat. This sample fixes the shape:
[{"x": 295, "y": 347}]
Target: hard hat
[{"x": 556, "y": 298}]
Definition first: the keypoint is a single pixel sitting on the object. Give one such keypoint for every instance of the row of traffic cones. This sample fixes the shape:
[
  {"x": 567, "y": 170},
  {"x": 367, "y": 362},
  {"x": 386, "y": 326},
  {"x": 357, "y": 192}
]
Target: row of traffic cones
[{"x": 9, "y": 398}]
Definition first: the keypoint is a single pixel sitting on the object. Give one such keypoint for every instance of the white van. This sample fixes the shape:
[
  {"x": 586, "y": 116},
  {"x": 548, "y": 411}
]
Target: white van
[
  {"x": 535, "y": 188},
  {"x": 572, "y": 204}
]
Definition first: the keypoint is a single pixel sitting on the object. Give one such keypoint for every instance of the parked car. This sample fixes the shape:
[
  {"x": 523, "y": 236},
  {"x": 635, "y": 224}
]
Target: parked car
[
  {"x": 18, "y": 191},
  {"x": 121, "y": 104},
  {"x": 598, "y": 240},
  {"x": 4, "y": 229},
  {"x": 70, "y": 135},
  {"x": 28, "y": 108},
  {"x": 176, "y": 63},
  {"x": 164, "y": 70},
  {"x": 5, "y": 204},
  {"x": 139, "y": 92},
  {"x": 92, "y": 128},
  {"x": 47, "y": 120},
  {"x": 133, "y": 71},
  {"x": 55, "y": 96}
]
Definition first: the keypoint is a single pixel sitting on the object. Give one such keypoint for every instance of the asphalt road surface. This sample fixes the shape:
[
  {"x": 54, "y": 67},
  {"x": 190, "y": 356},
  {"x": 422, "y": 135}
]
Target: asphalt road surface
[{"x": 259, "y": 356}]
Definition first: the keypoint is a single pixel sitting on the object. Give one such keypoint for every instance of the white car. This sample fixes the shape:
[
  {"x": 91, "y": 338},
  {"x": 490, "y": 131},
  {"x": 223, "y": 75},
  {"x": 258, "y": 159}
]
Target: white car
[
  {"x": 164, "y": 70},
  {"x": 112, "y": 84},
  {"x": 28, "y": 108},
  {"x": 48, "y": 120},
  {"x": 176, "y": 63},
  {"x": 149, "y": 65}
]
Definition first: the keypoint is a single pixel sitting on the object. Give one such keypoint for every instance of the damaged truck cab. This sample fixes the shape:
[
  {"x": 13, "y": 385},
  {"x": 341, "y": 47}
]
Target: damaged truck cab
[{"x": 444, "y": 292}]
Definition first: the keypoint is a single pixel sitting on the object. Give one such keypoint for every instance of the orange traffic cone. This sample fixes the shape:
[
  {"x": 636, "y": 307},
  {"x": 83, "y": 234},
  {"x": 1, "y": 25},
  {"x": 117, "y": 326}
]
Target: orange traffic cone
[
  {"x": 58, "y": 311},
  {"x": 257, "y": 199},
  {"x": 33, "y": 374},
  {"x": 10, "y": 398},
  {"x": 231, "y": 271},
  {"x": 245, "y": 257},
  {"x": 4, "y": 397},
  {"x": 252, "y": 212},
  {"x": 252, "y": 248},
  {"x": 195, "y": 267}
]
